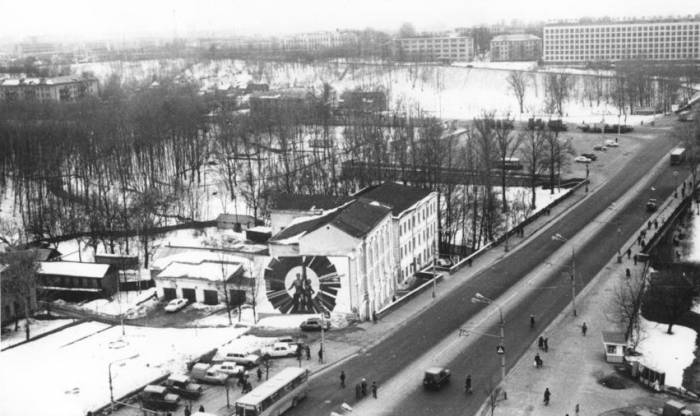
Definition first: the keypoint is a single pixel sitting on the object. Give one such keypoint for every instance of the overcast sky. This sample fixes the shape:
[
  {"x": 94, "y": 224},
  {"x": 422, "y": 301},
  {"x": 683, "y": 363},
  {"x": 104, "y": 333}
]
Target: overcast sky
[{"x": 118, "y": 18}]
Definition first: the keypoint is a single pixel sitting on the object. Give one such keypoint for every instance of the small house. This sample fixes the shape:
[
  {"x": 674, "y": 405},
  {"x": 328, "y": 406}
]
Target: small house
[
  {"x": 75, "y": 280},
  {"x": 615, "y": 346},
  {"x": 235, "y": 222}
]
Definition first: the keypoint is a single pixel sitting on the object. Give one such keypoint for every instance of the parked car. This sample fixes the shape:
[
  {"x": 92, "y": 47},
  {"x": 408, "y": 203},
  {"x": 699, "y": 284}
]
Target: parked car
[
  {"x": 611, "y": 143},
  {"x": 591, "y": 156},
  {"x": 280, "y": 350},
  {"x": 582, "y": 159},
  {"x": 175, "y": 305},
  {"x": 600, "y": 147},
  {"x": 229, "y": 368},
  {"x": 436, "y": 377},
  {"x": 157, "y": 398},
  {"x": 315, "y": 324},
  {"x": 444, "y": 262},
  {"x": 652, "y": 205},
  {"x": 181, "y": 384},
  {"x": 242, "y": 358},
  {"x": 207, "y": 374}
]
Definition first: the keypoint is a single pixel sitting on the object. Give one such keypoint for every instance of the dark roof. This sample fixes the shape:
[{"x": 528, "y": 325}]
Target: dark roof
[
  {"x": 398, "y": 197},
  {"x": 356, "y": 219},
  {"x": 614, "y": 337},
  {"x": 281, "y": 200}
]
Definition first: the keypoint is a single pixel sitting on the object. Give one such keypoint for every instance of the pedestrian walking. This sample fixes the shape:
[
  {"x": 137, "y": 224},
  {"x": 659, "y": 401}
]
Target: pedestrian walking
[
  {"x": 547, "y": 396},
  {"x": 546, "y": 345},
  {"x": 629, "y": 253},
  {"x": 320, "y": 354},
  {"x": 358, "y": 391},
  {"x": 374, "y": 389},
  {"x": 576, "y": 409},
  {"x": 656, "y": 224},
  {"x": 468, "y": 384},
  {"x": 342, "y": 379},
  {"x": 201, "y": 408},
  {"x": 308, "y": 352},
  {"x": 259, "y": 374},
  {"x": 584, "y": 329},
  {"x": 532, "y": 321},
  {"x": 363, "y": 385},
  {"x": 188, "y": 412},
  {"x": 628, "y": 274},
  {"x": 538, "y": 361},
  {"x": 540, "y": 342},
  {"x": 635, "y": 259}
]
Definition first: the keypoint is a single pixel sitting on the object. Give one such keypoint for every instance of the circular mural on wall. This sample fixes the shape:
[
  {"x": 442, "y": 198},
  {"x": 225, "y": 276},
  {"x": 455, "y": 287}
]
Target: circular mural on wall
[{"x": 304, "y": 284}]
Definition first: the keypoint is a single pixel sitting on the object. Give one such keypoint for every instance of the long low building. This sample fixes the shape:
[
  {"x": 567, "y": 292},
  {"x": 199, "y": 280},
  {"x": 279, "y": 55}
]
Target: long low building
[
  {"x": 446, "y": 48},
  {"x": 58, "y": 89},
  {"x": 620, "y": 41}
]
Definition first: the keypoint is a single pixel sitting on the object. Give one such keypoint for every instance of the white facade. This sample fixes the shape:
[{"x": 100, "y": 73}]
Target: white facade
[
  {"x": 451, "y": 48},
  {"x": 416, "y": 230},
  {"x": 656, "y": 41}
]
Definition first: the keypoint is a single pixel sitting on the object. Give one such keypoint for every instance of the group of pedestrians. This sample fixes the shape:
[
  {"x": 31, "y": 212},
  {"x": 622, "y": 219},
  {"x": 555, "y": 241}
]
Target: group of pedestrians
[
  {"x": 543, "y": 343},
  {"x": 188, "y": 410},
  {"x": 361, "y": 388}
]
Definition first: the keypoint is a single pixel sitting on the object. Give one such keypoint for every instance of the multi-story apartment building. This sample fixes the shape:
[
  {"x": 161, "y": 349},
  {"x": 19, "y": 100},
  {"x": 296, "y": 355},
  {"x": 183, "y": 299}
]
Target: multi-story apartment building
[
  {"x": 516, "y": 47},
  {"x": 448, "y": 48},
  {"x": 61, "y": 89},
  {"x": 318, "y": 40},
  {"x": 619, "y": 41}
]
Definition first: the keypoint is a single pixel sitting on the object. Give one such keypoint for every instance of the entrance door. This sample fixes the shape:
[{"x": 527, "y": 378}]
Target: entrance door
[
  {"x": 169, "y": 293},
  {"x": 211, "y": 297},
  {"x": 189, "y": 294},
  {"x": 236, "y": 297}
]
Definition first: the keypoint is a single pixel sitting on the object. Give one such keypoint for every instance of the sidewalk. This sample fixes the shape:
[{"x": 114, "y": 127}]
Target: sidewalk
[{"x": 575, "y": 363}]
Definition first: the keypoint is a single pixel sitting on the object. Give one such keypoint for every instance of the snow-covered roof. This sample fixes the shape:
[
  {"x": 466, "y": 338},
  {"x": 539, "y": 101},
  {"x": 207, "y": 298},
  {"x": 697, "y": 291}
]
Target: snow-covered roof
[
  {"x": 45, "y": 81},
  {"x": 207, "y": 270},
  {"x": 70, "y": 268},
  {"x": 515, "y": 37},
  {"x": 195, "y": 256}
]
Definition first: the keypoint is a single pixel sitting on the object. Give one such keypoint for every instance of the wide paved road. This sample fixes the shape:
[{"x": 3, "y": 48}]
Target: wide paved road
[{"x": 450, "y": 312}]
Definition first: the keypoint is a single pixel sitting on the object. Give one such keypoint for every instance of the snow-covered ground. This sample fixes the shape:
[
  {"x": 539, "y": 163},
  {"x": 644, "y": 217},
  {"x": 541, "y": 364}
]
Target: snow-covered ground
[
  {"x": 132, "y": 304},
  {"x": 68, "y": 370},
  {"x": 36, "y": 327},
  {"x": 668, "y": 353},
  {"x": 692, "y": 252}
]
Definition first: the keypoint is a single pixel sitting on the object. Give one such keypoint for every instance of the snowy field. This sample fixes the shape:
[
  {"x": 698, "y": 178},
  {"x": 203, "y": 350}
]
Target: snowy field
[
  {"x": 132, "y": 303},
  {"x": 69, "y": 369},
  {"x": 667, "y": 353}
]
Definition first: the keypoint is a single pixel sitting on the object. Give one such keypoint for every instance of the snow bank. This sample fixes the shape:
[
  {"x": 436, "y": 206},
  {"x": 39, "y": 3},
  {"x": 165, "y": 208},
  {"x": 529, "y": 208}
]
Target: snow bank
[
  {"x": 667, "y": 353},
  {"x": 124, "y": 302},
  {"x": 36, "y": 327}
]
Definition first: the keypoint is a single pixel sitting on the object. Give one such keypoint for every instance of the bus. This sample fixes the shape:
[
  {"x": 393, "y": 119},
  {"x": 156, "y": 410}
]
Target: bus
[
  {"x": 677, "y": 156},
  {"x": 275, "y": 396}
]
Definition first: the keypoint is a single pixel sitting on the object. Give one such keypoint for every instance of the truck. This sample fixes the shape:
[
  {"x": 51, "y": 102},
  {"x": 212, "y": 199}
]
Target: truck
[{"x": 677, "y": 156}]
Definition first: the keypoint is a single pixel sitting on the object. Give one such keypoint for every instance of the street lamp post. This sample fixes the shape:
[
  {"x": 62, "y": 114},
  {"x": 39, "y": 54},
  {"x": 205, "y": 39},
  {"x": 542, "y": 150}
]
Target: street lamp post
[
  {"x": 479, "y": 298},
  {"x": 559, "y": 237},
  {"x": 109, "y": 372}
]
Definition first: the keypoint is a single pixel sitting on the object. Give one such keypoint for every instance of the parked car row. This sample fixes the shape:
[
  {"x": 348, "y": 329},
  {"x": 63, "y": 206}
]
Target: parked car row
[{"x": 167, "y": 396}]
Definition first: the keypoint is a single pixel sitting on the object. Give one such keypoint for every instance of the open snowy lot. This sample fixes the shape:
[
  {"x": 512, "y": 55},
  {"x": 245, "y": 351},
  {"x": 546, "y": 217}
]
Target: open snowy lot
[
  {"x": 69, "y": 370},
  {"x": 669, "y": 353}
]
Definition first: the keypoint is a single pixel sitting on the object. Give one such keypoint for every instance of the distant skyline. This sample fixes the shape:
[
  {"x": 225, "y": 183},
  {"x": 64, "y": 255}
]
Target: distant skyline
[{"x": 98, "y": 19}]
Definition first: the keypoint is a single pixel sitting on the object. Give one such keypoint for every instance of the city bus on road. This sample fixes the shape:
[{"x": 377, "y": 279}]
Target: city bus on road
[
  {"x": 677, "y": 156},
  {"x": 275, "y": 396}
]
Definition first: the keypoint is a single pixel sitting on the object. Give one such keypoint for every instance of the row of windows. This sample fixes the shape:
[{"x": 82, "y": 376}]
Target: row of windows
[
  {"x": 428, "y": 253},
  {"x": 590, "y": 57},
  {"x": 68, "y": 281},
  {"x": 638, "y": 28}
]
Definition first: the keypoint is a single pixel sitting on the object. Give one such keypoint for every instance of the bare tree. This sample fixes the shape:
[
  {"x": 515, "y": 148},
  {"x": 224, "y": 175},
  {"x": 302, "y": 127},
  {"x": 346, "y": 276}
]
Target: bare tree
[
  {"x": 627, "y": 305},
  {"x": 517, "y": 81},
  {"x": 533, "y": 152},
  {"x": 507, "y": 143},
  {"x": 669, "y": 296},
  {"x": 557, "y": 90},
  {"x": 19, "y": 280}
]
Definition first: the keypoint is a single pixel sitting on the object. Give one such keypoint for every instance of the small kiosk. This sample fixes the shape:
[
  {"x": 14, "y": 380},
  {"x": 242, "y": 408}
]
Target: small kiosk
[{"x": 615, "y": 345}]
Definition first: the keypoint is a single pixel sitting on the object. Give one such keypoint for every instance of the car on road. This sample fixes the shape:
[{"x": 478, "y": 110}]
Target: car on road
[
  {"x": 436, "y": 377},
  {"x": 600, "y": 147},
  {"x": 582, "y": 159},
  {"x": 611, "y": 143},
  {"x": 280, "y": 350},
  {"x": 591, "y": 156},
  {"x": 315, "y": 324},
  {"x": 652, "y": 205},
  {"x": 207, "y": 374},
  {"x": 175, "y": 305},
  {"x": 181, "y": 384},
  {"x": 157, "y": 398},
  {"x": 444, "y": 262}
]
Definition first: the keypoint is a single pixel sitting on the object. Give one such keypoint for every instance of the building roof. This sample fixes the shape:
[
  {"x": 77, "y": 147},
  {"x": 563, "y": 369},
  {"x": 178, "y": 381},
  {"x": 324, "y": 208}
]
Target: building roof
[
  {"x": 398, "y": 197},
  {"x": 191, "y": 255},
  {"x": 356, "y": 219},
  {"x": 514, "y": 37},
  {"x": 294, "y": 202},
  {"x": 73, "y": 268},
  {"x": 614, "y": 337},
  {"x": 621, "y": 22},
  {"x": 292, "y": 93},
  {"x": 206, "y": 270}
]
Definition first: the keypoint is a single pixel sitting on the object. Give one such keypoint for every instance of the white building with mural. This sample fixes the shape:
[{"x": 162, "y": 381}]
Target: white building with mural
[{"x": 341, "y": 261}]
